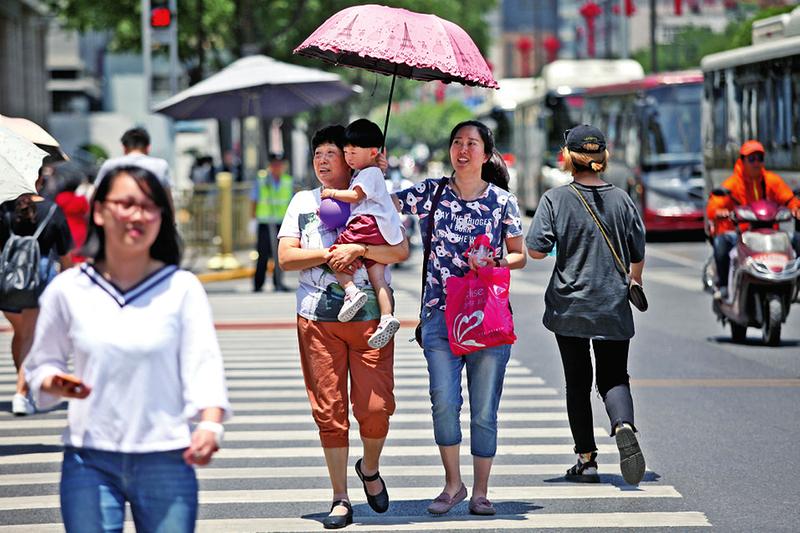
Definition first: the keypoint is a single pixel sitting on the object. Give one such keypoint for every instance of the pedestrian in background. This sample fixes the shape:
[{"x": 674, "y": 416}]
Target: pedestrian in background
[
  {"x": 23, "y": 216},
  {"x": 332, "y": 352},
  {"x": 76, "y": 210},
  {"x": 586, "y": 301},
  {"x": 136, "y": 147},
  {"x": 140, "y": 336},
  {"x": 269, "y": 198},
  {"x": 475, "y": 201}
]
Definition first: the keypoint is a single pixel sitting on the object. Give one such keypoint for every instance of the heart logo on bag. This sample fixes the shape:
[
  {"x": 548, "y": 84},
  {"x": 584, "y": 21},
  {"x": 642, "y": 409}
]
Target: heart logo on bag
[{"x": 466, "y": 323}]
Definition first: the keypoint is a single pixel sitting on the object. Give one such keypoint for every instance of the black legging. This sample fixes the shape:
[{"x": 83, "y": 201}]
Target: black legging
[{"x": 611, "y": 359}]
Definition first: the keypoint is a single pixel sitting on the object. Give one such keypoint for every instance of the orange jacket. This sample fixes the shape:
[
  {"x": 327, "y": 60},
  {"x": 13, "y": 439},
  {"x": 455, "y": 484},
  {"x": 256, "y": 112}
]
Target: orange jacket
[{"x": 744, "y": 192}]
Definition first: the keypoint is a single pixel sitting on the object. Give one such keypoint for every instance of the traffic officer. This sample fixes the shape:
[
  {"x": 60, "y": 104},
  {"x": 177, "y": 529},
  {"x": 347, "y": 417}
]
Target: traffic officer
[{"x": 272, "y": 191}]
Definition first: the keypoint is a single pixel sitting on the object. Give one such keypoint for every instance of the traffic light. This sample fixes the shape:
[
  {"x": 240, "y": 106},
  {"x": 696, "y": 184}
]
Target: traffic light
[{"x": 160, "y": 15}]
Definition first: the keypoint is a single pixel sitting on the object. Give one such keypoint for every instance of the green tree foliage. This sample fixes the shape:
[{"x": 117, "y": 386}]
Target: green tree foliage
[
  {"x": 428, "y": 123},
  {"x": 692, "y": 43},
  {"x": 211, "y": 31}
]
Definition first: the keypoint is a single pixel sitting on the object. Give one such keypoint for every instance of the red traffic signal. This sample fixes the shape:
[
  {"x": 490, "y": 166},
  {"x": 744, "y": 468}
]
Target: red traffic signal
[{"x": 160, "y": 17}]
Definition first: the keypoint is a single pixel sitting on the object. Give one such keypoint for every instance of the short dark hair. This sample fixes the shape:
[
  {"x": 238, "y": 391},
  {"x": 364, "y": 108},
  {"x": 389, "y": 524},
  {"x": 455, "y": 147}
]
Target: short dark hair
[
  {"x": 364, "y": 134},
  {"x": 273, "y": 156},
  {"x": 135, "y": 139},
  {"x": 333, "y": 134},
  {"x": 167, "y": 247}
]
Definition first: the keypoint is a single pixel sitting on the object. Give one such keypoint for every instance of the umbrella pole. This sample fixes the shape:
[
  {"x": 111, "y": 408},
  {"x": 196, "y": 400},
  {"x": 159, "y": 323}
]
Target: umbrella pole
[{"x": 389, "y": 108}]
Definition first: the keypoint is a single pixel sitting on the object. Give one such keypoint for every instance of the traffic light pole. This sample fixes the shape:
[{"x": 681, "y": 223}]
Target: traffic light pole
[
  {"x": 147, "y": 48},
  {"x": 173, "y": 48}
]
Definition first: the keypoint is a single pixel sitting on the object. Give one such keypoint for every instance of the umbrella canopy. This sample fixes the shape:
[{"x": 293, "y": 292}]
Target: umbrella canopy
[
  {"x": 256, "y": 86},
  {"x": 36, "y": 134},
  {"x": 399, "y": 42},
  {"x": 20, "y": 160}
]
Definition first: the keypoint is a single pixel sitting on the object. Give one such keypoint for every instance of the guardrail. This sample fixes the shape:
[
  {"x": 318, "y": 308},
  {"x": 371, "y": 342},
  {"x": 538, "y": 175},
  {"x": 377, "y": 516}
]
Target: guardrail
[{"x": 213, "y": 221}]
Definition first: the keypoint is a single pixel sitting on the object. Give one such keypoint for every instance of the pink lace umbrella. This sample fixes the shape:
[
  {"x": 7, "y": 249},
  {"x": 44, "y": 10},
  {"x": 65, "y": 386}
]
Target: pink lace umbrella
[{"x": 399, "y": 42}]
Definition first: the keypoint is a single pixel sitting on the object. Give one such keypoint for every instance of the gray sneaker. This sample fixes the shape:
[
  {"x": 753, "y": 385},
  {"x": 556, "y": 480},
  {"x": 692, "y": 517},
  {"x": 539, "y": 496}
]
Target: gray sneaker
[
  {"x": 384, "y": 333},
  {"x": 631, "y": 459}
]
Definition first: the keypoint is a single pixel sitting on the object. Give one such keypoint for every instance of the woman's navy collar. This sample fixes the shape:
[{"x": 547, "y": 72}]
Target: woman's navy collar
[{"x": 125, "y": 297}]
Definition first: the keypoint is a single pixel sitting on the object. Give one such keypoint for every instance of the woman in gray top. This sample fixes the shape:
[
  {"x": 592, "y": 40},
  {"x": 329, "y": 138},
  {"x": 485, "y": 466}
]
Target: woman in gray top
[{"x": 586, "y": 300}]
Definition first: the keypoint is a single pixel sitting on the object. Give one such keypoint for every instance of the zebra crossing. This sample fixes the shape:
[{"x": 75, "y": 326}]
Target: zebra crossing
[{"x": 271, "y": 477}]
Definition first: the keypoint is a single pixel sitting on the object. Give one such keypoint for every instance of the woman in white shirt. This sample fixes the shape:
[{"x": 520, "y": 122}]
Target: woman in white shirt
[{"x": 140, "y": 337}]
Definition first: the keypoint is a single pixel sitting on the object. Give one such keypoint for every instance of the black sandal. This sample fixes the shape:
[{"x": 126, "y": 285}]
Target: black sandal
[
  {"x": 339, "y": 521},
  {"x": 380, "y": 502},
  {"x": 584, "y": 472}
]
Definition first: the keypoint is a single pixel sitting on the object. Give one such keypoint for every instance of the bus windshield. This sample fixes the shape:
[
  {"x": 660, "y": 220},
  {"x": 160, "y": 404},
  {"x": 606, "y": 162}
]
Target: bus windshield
[
  {"x": 672, "y": 124},
  {"x": 564, "y": 113}
]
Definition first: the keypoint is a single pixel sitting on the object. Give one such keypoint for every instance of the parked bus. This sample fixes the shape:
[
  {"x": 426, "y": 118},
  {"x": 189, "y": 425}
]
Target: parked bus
[
  {"x": 556, "y": 105},
  {"x": 753, "y": 92},
  {"x": 653, "y": 132}
]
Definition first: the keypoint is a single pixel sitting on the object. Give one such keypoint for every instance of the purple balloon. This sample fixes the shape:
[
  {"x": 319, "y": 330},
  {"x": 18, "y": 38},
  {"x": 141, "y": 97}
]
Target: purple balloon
[{"x": 333, "y": 213}]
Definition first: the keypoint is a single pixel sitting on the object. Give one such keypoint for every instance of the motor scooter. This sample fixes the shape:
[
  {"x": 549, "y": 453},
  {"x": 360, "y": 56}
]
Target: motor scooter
[{"x": 764, "y": 272}]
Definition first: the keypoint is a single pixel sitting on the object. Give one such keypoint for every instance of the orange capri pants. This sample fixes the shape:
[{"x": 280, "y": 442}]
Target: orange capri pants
[{"x": 330, "y": 352}]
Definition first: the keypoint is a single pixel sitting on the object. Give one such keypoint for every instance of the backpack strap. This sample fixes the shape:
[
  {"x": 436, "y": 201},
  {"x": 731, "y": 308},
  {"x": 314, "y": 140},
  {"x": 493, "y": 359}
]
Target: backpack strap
[
  {"x": 43, "y": 224},
  {"x": 426, "y": 243}
]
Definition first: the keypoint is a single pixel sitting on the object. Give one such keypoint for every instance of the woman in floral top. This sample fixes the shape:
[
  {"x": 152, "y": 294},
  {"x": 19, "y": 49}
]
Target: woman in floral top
[{"x": 474, "y": 202}]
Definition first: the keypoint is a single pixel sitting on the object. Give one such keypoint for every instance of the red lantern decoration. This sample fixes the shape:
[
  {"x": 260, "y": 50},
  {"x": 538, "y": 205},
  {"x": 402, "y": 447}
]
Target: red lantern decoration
[
  {"x": 679, "y": 7},
  {"x": 525, "y": 45},
  {"x": 551, "y": 45},
  {"x": 590, "y": 11}
]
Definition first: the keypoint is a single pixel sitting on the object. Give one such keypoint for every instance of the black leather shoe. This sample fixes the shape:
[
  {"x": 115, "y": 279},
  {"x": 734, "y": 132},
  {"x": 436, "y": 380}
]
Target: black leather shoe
[
  {"x": 379, "y": 502},
  {"x": 339, "y": 521}
]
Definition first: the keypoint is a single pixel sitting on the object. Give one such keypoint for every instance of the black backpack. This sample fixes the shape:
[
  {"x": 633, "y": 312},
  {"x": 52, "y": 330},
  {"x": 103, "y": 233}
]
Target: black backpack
[{"x": 21, "y": 283}]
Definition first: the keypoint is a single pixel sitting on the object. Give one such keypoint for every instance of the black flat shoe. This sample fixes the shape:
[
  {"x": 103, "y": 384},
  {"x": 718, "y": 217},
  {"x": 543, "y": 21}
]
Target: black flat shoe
[
  {"x": 379, "y": 502},
  {"x": 339, "y": 521}
]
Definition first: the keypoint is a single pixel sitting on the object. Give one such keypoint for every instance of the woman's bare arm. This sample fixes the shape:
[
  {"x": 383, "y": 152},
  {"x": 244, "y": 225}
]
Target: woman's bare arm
[
  {"x": 292, "y": 257},
  {"x": 515, "y": 257},
  {"x": 344, "y": 254}
]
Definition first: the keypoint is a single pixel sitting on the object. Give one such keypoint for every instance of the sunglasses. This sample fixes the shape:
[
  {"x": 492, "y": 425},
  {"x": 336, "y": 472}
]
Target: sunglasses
[{"x": 752, "y": 158}]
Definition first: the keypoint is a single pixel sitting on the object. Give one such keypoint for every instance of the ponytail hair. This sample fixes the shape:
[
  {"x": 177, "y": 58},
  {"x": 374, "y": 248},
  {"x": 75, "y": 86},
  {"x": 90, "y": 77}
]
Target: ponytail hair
[
  {"x": 575, "y": 162},
  {"x": 495, "y": 171}
]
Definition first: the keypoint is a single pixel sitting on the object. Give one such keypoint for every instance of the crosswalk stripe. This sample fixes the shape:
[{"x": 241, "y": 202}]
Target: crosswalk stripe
[
  {"x": 213, "y": 472},
  {"x": 398, "y": 392},
  {"x": 283, "y": 495},
  {"x": 313, "y": 436},
  {"x": 525, "y": 522},
  {"x": 408, "y": 405},
  {"x": 232, "y": 375},
  {"x": 390, "y": 451}
]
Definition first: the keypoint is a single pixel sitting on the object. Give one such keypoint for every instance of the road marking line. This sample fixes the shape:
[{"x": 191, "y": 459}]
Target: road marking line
[
  {"x": 498, "y": 494},
  {"x": 316, "y": 452},
  {"x": 312, "y": 436},
  {"x": 292, "y": 372},
  {"x": 213, "y": 472}
]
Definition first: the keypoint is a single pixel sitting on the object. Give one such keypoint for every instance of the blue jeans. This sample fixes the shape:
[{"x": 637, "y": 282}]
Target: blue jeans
[
  {"x": 485, "y": 372},
  {"x": 160, "y": 487}
]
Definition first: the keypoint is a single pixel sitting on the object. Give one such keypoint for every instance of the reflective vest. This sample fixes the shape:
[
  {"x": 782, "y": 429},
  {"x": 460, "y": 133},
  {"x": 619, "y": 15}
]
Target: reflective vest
[{"x": 273, "y": 201}]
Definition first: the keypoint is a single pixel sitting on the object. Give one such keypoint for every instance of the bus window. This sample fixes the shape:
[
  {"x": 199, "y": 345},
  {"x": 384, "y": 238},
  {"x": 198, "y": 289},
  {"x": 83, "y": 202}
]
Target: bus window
[
  {"x": 719, "y": 112},
  {"x": 672, "y": 131}
]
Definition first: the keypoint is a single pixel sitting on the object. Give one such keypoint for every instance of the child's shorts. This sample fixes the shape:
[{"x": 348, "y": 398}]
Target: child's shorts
[{"x": 363, "y": 229}]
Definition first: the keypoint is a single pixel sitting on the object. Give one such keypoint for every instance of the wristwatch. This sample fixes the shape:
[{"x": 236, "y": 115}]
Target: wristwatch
[{"x": 497, "y": 261}]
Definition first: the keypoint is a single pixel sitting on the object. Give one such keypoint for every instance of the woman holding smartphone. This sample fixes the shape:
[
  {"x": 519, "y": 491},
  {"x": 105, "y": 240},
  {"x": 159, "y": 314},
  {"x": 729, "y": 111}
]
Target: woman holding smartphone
[{"x": 146, "y": 362}]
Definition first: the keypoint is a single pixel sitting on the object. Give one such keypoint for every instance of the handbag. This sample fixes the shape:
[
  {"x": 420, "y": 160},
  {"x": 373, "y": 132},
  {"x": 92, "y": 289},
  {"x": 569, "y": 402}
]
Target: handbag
[
  {"x": 426, "y": 246},
  {"x": 636, "y": 294},
  {"x": 477, "y": 312}
]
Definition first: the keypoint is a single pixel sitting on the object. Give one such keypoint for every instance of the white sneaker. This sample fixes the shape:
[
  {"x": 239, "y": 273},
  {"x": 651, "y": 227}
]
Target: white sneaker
[
  {"x": 21, "y": 405},
  {"x": 384, "y": 332},
  {"x": 352, "y": 304}
]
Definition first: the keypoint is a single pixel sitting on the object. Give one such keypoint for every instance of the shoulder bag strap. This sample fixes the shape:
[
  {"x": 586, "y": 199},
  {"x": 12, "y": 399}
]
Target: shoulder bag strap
[
  {"x": 44, "y": 222},
  {"x": 600, "y": 227},
  {"x": 426, "y": 243}
]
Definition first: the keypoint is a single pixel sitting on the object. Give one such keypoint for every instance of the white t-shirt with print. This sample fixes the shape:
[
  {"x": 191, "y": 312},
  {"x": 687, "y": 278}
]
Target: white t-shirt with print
[
  {"x": 319, "y": 295},
  {"x": 377, "y": 203}
]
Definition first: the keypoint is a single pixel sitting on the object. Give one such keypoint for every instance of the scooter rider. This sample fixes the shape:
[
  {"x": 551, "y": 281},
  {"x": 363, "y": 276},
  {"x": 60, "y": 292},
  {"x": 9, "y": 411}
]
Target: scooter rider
[{"x": 750, "y": 181}]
